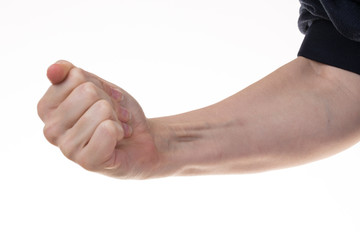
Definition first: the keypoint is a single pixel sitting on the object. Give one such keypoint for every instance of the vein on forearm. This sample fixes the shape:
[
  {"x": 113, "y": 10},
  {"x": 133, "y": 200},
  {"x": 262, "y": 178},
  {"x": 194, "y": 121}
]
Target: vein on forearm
[{"x": 290, "y": 117}]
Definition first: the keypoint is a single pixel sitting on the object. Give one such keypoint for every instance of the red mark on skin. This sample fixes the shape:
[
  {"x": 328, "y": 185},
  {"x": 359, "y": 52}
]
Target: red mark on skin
[
  {"x": 56, "y": 73},
  {"x": 116, "y": 94}
]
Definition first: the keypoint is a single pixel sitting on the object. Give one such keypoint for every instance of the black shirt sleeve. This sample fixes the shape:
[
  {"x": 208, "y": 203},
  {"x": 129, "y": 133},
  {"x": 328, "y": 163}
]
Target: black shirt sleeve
[{"x": 332, "y": 32}]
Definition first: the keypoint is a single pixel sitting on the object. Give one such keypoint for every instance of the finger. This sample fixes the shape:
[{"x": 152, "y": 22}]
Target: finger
[
  {"x": 127, "y": 130},
  {"x": 123, "y": 114},
  {"x": 116, "y": 95},
  {"x": 76, "y": 76},
  {"x": 58, "y": 71},
  {"x": 105, "y": 85},
  {"x": 119, "y": 99},
  {"x": 71, "y": 110},
  {"x": 80, "y": 134},
  {"x": 56, "y": 94},
  {"x": 111, "y": 89},
  {"x": 100, "y": 152}
]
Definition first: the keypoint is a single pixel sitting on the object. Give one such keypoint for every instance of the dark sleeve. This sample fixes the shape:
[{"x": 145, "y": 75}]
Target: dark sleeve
[{"x": 332, "y": 32}]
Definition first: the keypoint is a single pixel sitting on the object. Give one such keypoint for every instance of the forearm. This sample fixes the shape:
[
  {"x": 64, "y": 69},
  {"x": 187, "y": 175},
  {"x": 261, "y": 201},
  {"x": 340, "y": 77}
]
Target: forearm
[{"x": 293, "y": 116}]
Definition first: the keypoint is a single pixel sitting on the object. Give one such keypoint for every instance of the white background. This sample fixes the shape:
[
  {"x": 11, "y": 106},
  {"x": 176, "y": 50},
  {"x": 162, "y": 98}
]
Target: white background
[{"x": 172, "y": 56}]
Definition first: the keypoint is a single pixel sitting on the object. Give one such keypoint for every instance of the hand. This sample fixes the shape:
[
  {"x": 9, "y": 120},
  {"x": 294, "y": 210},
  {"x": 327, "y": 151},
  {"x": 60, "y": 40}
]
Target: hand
[{"x": 97, "y": 124}]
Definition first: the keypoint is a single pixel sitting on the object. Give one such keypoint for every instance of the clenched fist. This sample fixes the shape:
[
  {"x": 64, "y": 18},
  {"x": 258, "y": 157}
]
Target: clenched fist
[{"x": 97, "y": 124}]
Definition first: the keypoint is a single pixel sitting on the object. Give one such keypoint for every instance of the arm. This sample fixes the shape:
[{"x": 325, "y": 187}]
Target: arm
[{"x": 302, "y": 112}]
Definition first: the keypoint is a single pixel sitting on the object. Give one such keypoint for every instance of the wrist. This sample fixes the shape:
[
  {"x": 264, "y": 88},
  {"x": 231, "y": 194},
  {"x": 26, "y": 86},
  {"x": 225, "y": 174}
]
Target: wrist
[{"x": 194, "y": 143}]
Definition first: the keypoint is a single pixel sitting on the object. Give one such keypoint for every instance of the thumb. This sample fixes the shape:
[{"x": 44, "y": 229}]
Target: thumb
[{"x": 58, "y": 71}]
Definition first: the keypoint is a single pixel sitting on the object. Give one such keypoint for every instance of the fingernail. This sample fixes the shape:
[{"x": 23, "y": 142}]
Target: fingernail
[
  {"x": 124, "y": 114},
  {"x": 116, "y": 94},
  {"x": 127, "y": 130}
]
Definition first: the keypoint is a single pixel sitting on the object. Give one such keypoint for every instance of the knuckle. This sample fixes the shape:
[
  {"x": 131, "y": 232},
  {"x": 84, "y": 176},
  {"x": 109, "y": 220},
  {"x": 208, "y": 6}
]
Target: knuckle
[
  {"x": 77, "y": 75},
  {"x": 108, "y": 128},
  {"x": 41, "y": 109},
  {"x": 51, "y": 132},
  {"x": 89, "y": 91},
  {"x": 104, "y": 108},
  {"x": 68, "y": 148},
  {"x": 86, "y": 164}
]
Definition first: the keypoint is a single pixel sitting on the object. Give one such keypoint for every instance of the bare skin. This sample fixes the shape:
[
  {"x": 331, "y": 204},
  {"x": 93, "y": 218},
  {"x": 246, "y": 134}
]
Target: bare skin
[{"x": 302, "y": 112}]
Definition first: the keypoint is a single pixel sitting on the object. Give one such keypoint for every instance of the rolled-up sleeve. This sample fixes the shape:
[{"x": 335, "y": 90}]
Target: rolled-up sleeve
[{"x": 332, "y": 32}]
